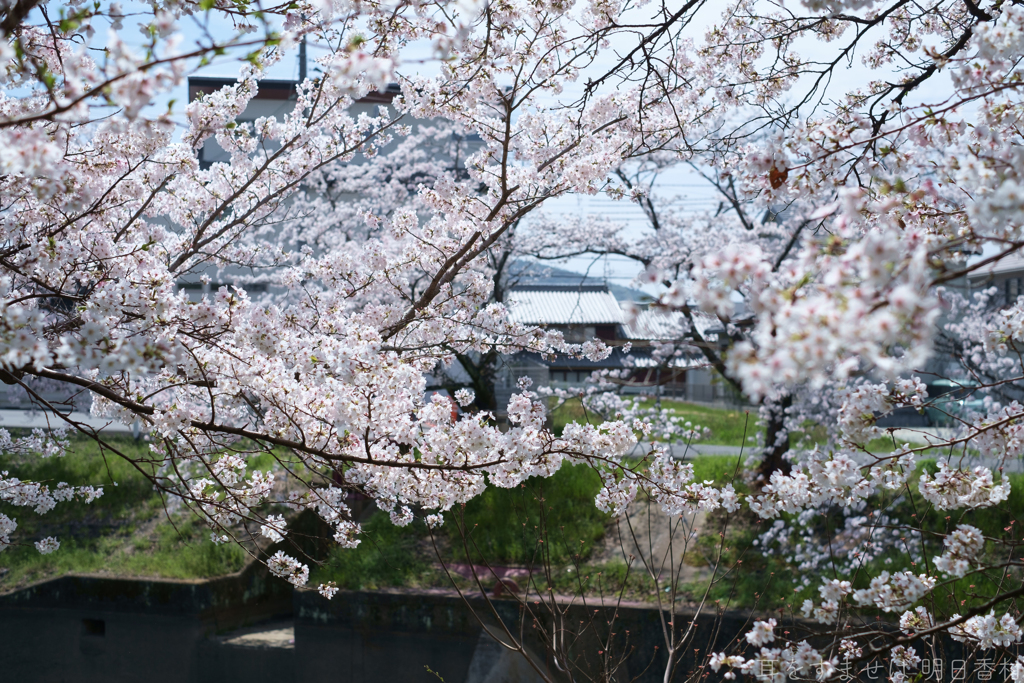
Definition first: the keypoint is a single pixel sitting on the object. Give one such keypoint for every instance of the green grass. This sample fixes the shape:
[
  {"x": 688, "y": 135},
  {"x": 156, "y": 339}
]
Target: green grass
[
  {"x": 388, "y": 555},
  {"x": 508, "y": 525},
  {"x": 541, "y": 521},
  {"x": 190, "y": 555},
  {"x": 123, "y": 532},
  {"x": 606, "y": 582},
  {"x": 721, "y": 469},
  {"x": 729, "y": 427},
  {"x": 771, "y": 583}
]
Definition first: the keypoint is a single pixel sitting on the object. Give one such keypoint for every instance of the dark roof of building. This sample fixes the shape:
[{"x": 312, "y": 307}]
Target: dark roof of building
[
  {"x": 523, "y": 274},
  {"x": 639, "y": 358},
  {"x": 277, "y": 89}
]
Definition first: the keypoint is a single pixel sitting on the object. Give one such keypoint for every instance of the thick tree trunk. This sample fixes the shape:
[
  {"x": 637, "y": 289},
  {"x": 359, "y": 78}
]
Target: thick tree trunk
[
  {"x": 482, "y": 373},
  {"x": 776, "y": 439}
]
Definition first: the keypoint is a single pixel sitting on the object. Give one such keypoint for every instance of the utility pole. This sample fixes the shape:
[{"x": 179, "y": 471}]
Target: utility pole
[{"x": 302, "y": 59}]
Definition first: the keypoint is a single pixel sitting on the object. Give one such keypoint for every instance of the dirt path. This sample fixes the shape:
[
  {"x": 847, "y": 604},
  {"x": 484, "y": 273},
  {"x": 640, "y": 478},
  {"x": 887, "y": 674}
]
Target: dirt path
[{"x": 657, "y": 538}]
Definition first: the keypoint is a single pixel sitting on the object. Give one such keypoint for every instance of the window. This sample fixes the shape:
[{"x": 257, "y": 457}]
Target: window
[
  {"x": 1012, "y": 289},
  {"x": 195, "y": 290}
]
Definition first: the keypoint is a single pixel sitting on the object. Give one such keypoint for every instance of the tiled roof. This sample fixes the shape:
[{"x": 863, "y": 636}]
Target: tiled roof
[
  {"x": 655, "y": 325},
  {"x": 582, "y": 305},
  {"x": 1009, "y": 264},
  {"x": 595, "y": 305},
  {"x": 658, "y": 325}
]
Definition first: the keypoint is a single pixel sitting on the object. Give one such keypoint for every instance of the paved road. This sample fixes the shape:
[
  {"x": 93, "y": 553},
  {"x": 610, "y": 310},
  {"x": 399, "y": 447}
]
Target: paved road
[
  {"x": 30, "y": 419},
  {"x": 683, "y": 451}
]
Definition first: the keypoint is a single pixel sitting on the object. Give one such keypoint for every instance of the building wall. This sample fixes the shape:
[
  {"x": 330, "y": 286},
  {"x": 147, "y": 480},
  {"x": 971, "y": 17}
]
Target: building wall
[{"x": 510, "y": 370}]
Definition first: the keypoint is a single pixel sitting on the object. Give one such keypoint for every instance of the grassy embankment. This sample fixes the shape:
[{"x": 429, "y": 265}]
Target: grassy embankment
[
  {"x": 729, "y": 426},
  {"x": 125, "y": 532},
  {"x": 553, "y": 520},
  {"x": 543, "y": 522},
  {"x": 767, "y": 580}
]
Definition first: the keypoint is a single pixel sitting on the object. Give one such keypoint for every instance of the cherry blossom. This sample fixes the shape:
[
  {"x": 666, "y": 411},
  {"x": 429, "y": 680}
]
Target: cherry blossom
[
  {"x": 987, "y": 632},
  {"x": 962, "y": 547},
  {"x": 762, "y": 633},
  {"x": 957, "y": 488},
  {"x": 348, "y": 250}
]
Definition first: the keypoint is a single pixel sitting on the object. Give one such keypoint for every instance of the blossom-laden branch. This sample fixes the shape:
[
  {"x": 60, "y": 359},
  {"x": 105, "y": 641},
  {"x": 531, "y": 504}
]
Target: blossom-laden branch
[{"x": 361, "y": 245}]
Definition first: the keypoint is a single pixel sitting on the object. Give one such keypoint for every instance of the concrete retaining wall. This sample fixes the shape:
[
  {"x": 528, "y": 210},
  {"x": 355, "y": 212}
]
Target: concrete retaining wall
[
  {"x": 86, "y": 629},
  {"x": 361, "y": 637},
  {"x": 90, "y": 629}
]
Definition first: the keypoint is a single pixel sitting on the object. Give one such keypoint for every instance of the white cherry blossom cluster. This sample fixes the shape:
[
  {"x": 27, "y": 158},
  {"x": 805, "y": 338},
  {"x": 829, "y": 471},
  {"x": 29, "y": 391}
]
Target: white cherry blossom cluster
[
  {"x": 894, "y": 592},
  {"x": 904, "y": 658},
  {"x": 864, "y": 403},
  {"x": 832, "y": 593},
  {"x": 986, "y": 631},
  {"x": 827, "y": 479},
  {"x": 917, "y": 620},
  {"x": 328, "y": 590},
  {"x": 288, "y": 568},
  {"x": 47, "y": 545},
  {"x": 44, "y": 443},
  {"x": 329, "y": 504},
  {"x": 777, "y": 665},
  {"x": 962, "y": 546},
  {"x": 273, "y": 528},
  {"x": 951, "y": 488},
  {"x": 41, "y": 498},
  {"x": 762, "y": 633},
  {"x": 850, "y": 650},
  {"x": 7, "y": 527},
  {"x": 672, "y": 487},
  {"x": 369, "y": 242}
]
